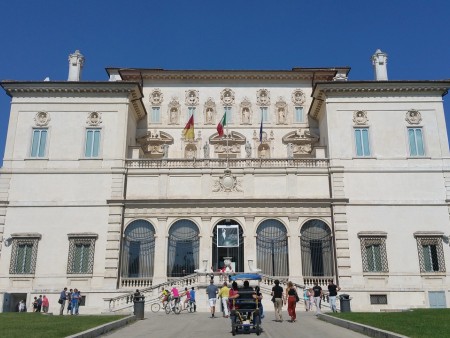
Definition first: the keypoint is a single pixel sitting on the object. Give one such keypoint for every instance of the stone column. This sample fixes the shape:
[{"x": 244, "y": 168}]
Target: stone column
[
  {"x": 295, "y": 257},
  {"x": 249, "y": 243},
  {"x": 161, "y": 239}
]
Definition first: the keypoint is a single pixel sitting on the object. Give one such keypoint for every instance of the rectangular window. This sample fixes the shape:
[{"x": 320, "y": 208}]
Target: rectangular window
[
  {"x": 156, "y": 116},
  {"x": 92, "y": 143},
  {"x": 362, "y": 142},
  {"x": 39, "y": 142},
  {"x": 415, "y": 138},
  {"x": 373, "y": 251},
  {"x": 265, "y": 114},
  {"x": 299, "y": 115},
  {"x": 23, "y": 255},
  {"x": 191, "y": 111},
  {"x": 81, "y": 254},
  {"x": 431, "y": 254},
  {"x": 227, "y": 111}
]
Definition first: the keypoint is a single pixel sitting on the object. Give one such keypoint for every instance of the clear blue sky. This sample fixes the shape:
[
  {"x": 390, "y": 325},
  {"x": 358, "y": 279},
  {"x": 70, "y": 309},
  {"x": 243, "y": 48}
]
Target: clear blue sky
[{"x": 235, "y": 34}]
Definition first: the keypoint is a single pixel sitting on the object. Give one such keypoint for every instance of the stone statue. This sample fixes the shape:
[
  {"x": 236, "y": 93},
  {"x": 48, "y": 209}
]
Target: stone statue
[
  {"x": 281, "y": 115},
  {"x": 209, "y": 115},
  {"x": 173, "y": 115},
  {"x": 248, "y": 150},
  {"x": 290, "y": 151},
  {"x": 206, "y": 150},
  {"x": 165, "y": 150},
  {"x": 245, "y": 115}
]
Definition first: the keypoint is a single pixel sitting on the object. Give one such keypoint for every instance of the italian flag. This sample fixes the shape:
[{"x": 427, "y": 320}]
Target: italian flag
[
  {"x": 222, "y": 123},
  {"x": 188, "y": 131}
]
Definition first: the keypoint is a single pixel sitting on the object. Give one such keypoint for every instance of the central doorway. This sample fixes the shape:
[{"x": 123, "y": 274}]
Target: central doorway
[{"x": 228, "y": 241}]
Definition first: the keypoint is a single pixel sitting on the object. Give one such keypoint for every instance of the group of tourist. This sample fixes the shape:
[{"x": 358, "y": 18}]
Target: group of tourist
[
  {"x": 39, "y": 304},
  {"x": 72, "y": 298},
  {"x": 175, "y": 296}
]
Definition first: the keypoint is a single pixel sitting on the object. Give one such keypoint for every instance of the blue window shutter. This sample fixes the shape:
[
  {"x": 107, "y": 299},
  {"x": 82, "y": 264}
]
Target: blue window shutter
[
  {"x": 89, "y": 138},
  {"x": 359, "y": 151},
  {"x": 419, "y": 140},
  {"x": 412, "y": 142},
  {"x": 39, "y": 142},
  {"x": 96, "y": 145},
  {"x": 365, "y": 137},
  {"x": 298, "y": 114}
]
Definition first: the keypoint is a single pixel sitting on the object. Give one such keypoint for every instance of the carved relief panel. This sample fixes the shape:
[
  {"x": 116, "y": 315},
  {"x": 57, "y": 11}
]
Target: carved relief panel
[
  {"x": 413, "y": 116},
  {"x": 300, "y": 142},
  {"x": 281, "y": 111},
  {"x": 263, "y": 97},
  {"x": 42, "y": 119},
  {"x": 360, "y": 118},
  {"x": 227, "y": 97},
  {"x": 227, "y": 183},
  {"x": 209, "y": 111},
  {"x": 173, "y": 111},
  {"x": 246, "y": 111},
  {"x": 156, "y": 97},
  {"x": 94, "y": 119},
  {"x": 298, "y": 97},
  {"x": 192, "y": 97}
]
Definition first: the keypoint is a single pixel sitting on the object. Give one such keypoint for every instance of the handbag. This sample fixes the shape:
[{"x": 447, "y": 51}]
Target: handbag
[
  {"x": 297, "y": 299},
  {"x": 60, "y": 301}
]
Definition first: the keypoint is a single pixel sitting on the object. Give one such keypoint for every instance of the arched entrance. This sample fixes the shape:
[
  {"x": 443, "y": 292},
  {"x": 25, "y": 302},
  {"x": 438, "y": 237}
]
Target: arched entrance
[
  {"x": 183, "y": 249},
  {"x": 138, "y": 250},
  {"x": 317, "y": 249},
  {"x": 272, "y": 248},
  {"x": 228, "y": 241}
]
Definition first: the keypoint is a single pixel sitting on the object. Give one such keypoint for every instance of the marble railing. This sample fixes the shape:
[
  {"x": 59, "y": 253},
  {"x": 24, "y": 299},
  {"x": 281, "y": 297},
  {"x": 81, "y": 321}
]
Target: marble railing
[
  {"x": 231, "y": 163},
  {"x": 136, "y": 283}
]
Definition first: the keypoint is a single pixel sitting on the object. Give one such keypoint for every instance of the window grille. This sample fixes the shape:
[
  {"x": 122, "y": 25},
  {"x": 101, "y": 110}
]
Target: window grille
[
  {"x": 81, "y": 254},
  {"x": 317, "y": 249},
  {"x": 431, "y": 254},
  {"x": 23, "y": 256},
  {"x": 138, "y": 250},
  {"x": 184, "y": 245},
  {"x": 378, "y": 299},
  {"x": 272, "y": 248},
  {"x": 373, "y": 253}
]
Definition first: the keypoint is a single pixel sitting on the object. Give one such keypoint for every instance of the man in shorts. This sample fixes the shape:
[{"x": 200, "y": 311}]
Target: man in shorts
[{"x": 212, "y": 291}]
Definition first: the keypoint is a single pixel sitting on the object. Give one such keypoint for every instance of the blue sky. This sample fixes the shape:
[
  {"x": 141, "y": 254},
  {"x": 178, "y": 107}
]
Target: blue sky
[{"x": 235, "y": 34}]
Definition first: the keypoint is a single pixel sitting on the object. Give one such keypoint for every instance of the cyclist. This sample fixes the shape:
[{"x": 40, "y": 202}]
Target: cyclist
[
  {"x": 188, "y": 297},
  {"x": 192, "y": 298},
  {"x": 175, "y": 296},
  {"x": 165, "y": 296}
]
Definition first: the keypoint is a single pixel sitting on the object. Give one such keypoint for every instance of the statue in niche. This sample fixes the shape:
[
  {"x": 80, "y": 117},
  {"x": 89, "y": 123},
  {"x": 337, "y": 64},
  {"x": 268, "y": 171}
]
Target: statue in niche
[
  {"x": 173, "y": 115},
  {"x": 248, "y": 150},
  {"x": 245, "y": 115},
  {"x": 206, "y": 150},
  {"x": 290, "y": 151},
  {"x": 209, "y": 114},
  {"x": 190, "y": 153},
  {"x": 165, "y": 150},
  {"x": 281, "y": 115},
  {"x": 263, "y": 152}
]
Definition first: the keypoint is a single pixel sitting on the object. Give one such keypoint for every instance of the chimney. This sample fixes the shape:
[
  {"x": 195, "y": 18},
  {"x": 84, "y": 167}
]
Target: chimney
[
  {"x": 76, "y": 61},
  {"x": 379, "y": 61}
]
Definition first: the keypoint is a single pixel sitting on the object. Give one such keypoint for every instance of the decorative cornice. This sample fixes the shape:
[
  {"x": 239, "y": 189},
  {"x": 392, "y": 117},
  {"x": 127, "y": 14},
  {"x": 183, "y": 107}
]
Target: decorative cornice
[
  {"x": 132, "y": 89},
  {"x": 372, "y": 89},
  {"x": 316, "y": 74}
]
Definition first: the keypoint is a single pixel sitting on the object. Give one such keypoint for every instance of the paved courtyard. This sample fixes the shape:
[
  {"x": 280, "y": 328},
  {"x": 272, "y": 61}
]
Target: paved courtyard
[{"x": 199, "y": 325}]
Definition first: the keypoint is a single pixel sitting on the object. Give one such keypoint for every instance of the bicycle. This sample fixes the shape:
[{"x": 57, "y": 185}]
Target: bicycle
[
  {"x": 175, "y": 308},
  {"x": 191, "y": 306}
]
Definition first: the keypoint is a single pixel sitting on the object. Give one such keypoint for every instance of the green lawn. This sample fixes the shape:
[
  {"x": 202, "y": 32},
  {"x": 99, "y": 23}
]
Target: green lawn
[
  {"x": 417, "y": 323},
  {"x": 38, "y": 325}
]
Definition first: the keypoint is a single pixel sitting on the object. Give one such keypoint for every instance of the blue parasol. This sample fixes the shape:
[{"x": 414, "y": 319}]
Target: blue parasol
[{"x": 246, "y": 276}]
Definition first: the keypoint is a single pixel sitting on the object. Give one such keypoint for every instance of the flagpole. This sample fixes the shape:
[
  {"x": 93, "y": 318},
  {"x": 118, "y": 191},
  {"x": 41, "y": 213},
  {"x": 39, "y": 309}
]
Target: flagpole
[{"x": 227, "y": 137}]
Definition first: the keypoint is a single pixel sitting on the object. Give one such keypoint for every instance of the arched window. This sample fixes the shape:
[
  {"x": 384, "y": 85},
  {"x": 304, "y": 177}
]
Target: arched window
[
  {"x": 138, "y": 253},
  {"x": 183, "y": 251},
  {"x": 272, "y": 248},
  {"x": 317, "y": 249}
]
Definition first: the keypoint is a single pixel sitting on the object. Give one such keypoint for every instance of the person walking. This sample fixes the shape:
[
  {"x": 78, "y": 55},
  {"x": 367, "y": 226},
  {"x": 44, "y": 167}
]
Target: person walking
[
  {"x": 212, "y": 291},
  {"x": 45, "y": 304},
  {"x": 224, "y": 295},
  {"x": 259, "y": 297},
  {"x": 62, "y": 301},
  {"x": 22, "y": 307},
  {"x": 69, "y": 301},
  {"x": 291, "y": 300},
  {"x": 192, "y": 298},
  {"x": 39, "y": 304},
  {"x": 75, "y": 302},
  {"x": 277, "y": 299},
  {"x": 306, "y": 299},
  {"x": 317, "y": 297},
  {"x": 332, "y": 293}
]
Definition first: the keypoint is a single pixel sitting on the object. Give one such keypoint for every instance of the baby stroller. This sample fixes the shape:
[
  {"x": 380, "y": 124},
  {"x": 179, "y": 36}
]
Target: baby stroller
[{"x": 245, "y": 315}]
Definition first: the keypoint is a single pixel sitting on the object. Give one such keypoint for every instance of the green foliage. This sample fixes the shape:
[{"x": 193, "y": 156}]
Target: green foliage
[
  {"x": 40, "y": 325},
  {"x": 416, "y": 323}
]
